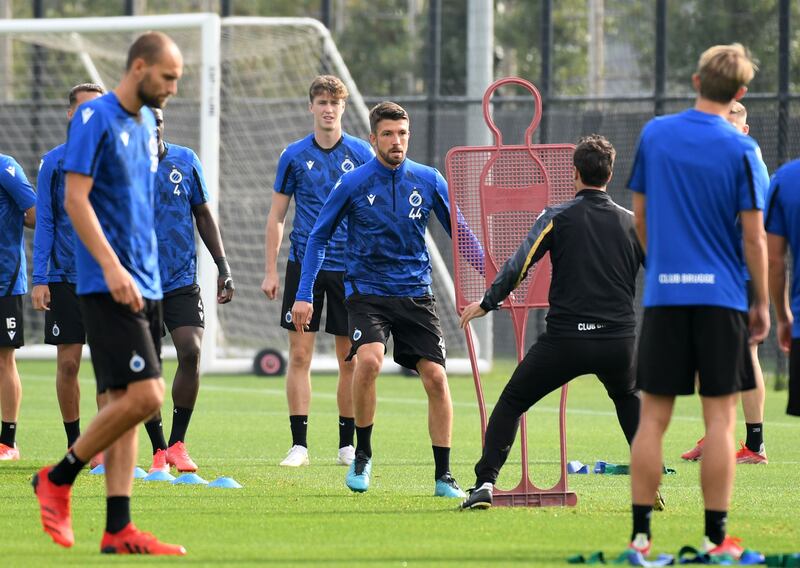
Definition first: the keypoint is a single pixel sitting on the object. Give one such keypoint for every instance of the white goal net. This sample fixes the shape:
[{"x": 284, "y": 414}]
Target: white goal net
[{"x": 243, "y": 98}]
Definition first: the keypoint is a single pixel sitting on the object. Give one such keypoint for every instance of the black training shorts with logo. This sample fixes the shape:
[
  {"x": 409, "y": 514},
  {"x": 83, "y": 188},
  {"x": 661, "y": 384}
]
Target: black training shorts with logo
[
  {"x": 63, "y": 322},
  {"x": 677, "y": 342},
  {"x": 183, "y": 307},
  {"x": 125, "y": 345},
  {"x": 412, "y": 323},
  {"x": 328, "y": 287},
  {"x": 12, "y": 328}
]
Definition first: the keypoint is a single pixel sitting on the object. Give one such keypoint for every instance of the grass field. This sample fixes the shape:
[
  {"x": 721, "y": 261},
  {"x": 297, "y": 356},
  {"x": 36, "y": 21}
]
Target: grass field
[{"x": 308, "y": 517}]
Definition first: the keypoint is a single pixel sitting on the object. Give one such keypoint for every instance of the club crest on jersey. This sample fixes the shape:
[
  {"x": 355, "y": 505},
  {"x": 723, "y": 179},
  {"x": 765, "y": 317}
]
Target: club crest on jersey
[
  {"x": 357, "y": 334},
  {"x": 86, "y": 114},
  {"x": 348, "y": 165},
  {"x": 56, "y": 331},
  {"x": 125, "y": 137},
  {"x": 11, "y": 171},
  {"x": 371, "y": 198},
  {"x": 415, "y": 199},
  {"x": 136, "y": 364},
  {"x": 310, "y": 164},
  {"x": 175, "y": 176},
  {"x": 288, "y": 317}
]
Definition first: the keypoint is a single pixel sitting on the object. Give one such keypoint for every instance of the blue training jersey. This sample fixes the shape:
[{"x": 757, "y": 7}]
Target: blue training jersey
[
  {"x": 308, "y": 172},
  {"x": 180, "y": 185},
  {"x": 16, "y": 197},
  {"x": 54, "y": 237},
  {"x": 783, "y": 219},
  {"x": 119, "y": 151},
  {"x": 697, "y": 173},
  {"x": 387, "y": 213}
]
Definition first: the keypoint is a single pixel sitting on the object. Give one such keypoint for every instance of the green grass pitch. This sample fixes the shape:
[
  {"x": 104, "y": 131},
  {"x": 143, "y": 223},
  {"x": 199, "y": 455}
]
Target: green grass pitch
[{"x": 307, "y": 517}]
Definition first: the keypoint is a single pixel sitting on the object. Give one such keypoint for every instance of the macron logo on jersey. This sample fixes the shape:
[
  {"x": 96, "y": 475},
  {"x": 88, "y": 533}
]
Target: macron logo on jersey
[
  {"x": 11, "y": 171},
  {"x": 125, "y": 137},
  {"x": 310, "y": 164},
  {"x": 371, "y": 198},
  {"x": 86, "y": 114}
]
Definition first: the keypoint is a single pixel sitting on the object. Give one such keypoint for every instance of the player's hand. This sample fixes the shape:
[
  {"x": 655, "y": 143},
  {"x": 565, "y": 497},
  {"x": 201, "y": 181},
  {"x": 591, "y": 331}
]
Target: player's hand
[
  {"x": 225, "y": 289},
  {"x": 225, "y": 285},
  {"x": 270, "y": 285},
  {"x": 40, "y": 296},
  {"x": 759, "y": 322},
  {"x": 122, "y": 287},
  {"x": 301, "y": 315},
  {"x": 785, "y": 334},
  {"x": 474, "y": 310}
]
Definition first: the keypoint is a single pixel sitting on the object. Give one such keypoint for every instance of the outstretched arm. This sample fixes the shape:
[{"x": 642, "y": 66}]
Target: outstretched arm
[
  {"x": 473, "y": 251},
  {"x": 516, "y": 268}
]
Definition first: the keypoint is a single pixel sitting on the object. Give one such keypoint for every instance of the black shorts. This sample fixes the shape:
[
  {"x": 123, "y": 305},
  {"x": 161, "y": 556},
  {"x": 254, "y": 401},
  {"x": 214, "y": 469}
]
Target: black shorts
[
  {"x": 124, "y": 345},
  {"x": 678, "y": 341},
  {"x": 63, "y": 323},
  {"x": 793, "y": 406},
  {"x": 330, "y": 285},
  {"x": 412, "y": 322},
  {"x": 11, "y": 321},
  {"x": 183, "y": 307}
]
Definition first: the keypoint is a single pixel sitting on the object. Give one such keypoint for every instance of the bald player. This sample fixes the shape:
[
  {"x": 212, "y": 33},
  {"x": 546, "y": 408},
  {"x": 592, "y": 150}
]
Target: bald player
[{"x": 112, "y": 154}]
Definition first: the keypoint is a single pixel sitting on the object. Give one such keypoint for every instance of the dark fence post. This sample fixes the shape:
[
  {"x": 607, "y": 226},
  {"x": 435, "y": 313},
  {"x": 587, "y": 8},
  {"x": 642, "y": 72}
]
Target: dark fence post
[
  {"x": 36, "y": 87},
  {"x": 226, "y": 8},
  {"x": 130, "y": 9},
  {"x": 661, "y": 56},
  {"x": 546, "y": 49},
  {"x": 327, "y": 11},
  {"x": 434, "y": 75},
  {"x": 783, "y": 81}
]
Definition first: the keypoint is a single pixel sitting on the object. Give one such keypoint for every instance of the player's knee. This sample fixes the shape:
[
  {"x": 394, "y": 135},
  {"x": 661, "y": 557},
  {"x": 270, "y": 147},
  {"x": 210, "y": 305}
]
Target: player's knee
[
  {"x": 300, "y": 356},
  {"x": 435, "y": 381},
  {"x": 69, "y": 368},
  {"x": 369, "y": 365},
  {"x": 6, "y": 359},
  {"x": 189, "y": 357},
  {"x": 146, "y": 398}
]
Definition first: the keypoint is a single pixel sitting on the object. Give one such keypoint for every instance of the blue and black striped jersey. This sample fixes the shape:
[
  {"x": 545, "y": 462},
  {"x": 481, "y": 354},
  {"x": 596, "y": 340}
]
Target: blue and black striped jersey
[
  {"x": 54, "y": 237},
  {"x": 308, "y": 172},
  {"x": 16, "y": 197},
  {"x": 180, "y": 185}
]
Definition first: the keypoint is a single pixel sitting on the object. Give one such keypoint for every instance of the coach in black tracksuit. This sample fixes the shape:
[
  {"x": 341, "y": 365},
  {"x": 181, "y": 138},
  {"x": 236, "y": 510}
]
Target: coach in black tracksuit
[{"x": 595, "y": 255}]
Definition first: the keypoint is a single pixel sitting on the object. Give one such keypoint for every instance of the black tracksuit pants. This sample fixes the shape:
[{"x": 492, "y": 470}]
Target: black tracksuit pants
[{"x": 551, "y": 363}]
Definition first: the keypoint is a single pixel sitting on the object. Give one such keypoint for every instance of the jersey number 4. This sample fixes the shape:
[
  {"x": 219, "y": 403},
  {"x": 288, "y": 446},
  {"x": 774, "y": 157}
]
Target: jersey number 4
[{"x": 415, "y": 213}]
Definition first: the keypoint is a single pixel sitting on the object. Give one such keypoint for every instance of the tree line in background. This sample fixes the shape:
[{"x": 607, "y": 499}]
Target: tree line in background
[{"x": 385, "y": 42}]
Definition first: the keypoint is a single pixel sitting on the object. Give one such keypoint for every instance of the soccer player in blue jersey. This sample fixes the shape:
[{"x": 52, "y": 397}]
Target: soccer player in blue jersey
[
  {"x": 181, "y": 194},
  {"x": 783, "y": 232},
  {"x": 17, "y": 210},
  {"x": 55, "y": 275},
  {"x": 387, "y": 203},
  {"x": 110, "y": 163},
  {"x": 752, "y": 450},
  {"x": 693, "y": 176},
  {"x": 307, "y": 170}
]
